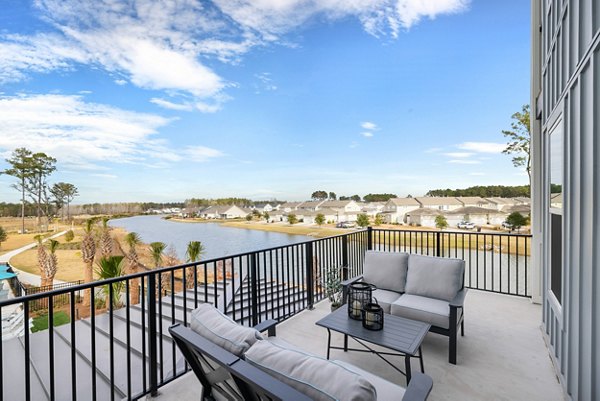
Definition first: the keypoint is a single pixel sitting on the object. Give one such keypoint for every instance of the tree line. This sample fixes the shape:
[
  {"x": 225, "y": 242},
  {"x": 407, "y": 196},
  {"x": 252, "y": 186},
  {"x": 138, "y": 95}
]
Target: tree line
[
  {"x": 324, "y": 195},
  {"x": 486, "y": 191}
]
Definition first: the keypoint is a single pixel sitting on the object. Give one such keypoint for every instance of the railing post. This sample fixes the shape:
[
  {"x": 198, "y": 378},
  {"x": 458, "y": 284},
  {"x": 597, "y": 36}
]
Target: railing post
[
  {"x": 345, "y": 266},
  {"x": 369, "y": 238},
  {"x": 152, "y": 333},
  {"x": 310, "y": 281},
  {"x": 254, "y": 288},
  {"x": 438, "y": 244}
]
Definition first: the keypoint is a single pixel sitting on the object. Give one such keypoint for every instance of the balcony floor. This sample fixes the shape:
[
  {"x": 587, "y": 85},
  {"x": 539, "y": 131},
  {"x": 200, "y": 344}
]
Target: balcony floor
[{"x": 501, "y": 357}]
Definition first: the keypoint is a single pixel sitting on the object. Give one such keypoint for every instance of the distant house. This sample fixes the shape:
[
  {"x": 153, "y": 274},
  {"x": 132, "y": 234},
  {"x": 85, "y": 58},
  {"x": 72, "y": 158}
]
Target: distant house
[
  {"x": 474, "y": 201},
  {"x": 395, "y": 209},
  {"x": 263, "y": 207},
  {"x": 224, "y": 212},
  {"x": 439, "y": 203},
  {"x": 423, "y": 216},
  {"x": 308, "y": 216},
  {"x": 501, "y": 203},
  {"x": 290, "y": 206},
  {"x": 522, "y": 200},
  {"x": 310, "y": 205},
  {"x": 478, "y": 215},
  {"x": 525, "y": 210},
  {"x": 346, "y": 210}
]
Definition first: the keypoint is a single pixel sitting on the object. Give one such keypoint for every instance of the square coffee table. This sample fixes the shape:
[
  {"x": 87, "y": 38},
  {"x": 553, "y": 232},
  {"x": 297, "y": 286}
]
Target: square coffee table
[{"x": 401, "y": 335}]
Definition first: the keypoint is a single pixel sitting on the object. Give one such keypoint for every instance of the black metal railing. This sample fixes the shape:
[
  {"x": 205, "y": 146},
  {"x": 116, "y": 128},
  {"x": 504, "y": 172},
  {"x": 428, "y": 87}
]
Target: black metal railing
[
  {"x": 118, "y": 345},
  {"x": 62, "y": 299}
]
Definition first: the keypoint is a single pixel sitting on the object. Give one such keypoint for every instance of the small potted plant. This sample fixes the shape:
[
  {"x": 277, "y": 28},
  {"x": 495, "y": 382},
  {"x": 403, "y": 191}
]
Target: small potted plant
[{"x": 332, "y": 286}]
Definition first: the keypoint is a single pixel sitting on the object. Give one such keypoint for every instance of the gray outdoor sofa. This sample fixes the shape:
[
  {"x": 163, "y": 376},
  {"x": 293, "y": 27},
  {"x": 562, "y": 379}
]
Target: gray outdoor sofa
[
  {"x": 425, "y": 288},
  {"x": 234, "y": 362}
]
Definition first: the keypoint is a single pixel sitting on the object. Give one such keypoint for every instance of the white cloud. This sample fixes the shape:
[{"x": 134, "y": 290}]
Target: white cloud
[
  {"x": 170, "y": 105},
  {"x": 462, "y": 161},
  {"x": 201, "y": 153},
  {"x": 369, "y": 125},
  {"x": 367, "y": 134},
  {"x": 164, "y": 45},
  {"x": 81, "y": 134},
  {"x": 110, "y": 176},
  {"x": 477, "y": 174},
  {"x": 433, "y": 150},
  {"x": 266, "y": 82},
  {"x": 458, "y": 154},
  {"x": 483, "y": 147}
]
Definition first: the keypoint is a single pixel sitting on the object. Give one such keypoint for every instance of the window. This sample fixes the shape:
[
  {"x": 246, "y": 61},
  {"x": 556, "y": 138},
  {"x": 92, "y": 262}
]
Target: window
[{"x": 555, "y": 203}]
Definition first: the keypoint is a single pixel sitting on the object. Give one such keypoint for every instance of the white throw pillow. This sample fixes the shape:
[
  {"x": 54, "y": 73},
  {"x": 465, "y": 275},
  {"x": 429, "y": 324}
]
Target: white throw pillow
[
  {"x": 213, "y": 325},
  {"x": 318, "y": 378}
]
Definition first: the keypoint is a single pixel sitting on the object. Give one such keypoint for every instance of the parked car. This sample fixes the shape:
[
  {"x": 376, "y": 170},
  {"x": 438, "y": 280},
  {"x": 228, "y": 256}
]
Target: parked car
[
  {"x": 346, "y": 224},
  {"x": 507, "y": 225},
  {"x": 466, "y": 225}
]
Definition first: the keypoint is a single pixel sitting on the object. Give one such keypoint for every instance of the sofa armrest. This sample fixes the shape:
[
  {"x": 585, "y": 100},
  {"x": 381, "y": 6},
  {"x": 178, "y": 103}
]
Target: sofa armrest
[
  {"x": 345, "y": 284},
  {"x": 459, "y": 299},
  {"x": 419, "y": 387},
  {"x": 268, "y": 326}
]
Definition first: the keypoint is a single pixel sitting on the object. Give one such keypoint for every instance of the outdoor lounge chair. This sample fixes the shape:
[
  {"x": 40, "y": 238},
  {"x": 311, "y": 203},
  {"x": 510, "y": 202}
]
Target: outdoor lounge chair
[{"x": 225, "y": 375}]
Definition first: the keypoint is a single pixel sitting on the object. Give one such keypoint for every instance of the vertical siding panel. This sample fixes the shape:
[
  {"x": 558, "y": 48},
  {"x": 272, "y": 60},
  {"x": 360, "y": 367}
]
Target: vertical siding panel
[
  {"x": 586, "y": 232},
  {"x": 595, "y": 369}
]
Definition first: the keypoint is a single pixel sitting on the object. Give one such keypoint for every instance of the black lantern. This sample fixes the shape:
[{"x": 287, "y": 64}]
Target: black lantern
[
  {"x": 372, "y": 316},
  {"x": 359, "y": 294}
]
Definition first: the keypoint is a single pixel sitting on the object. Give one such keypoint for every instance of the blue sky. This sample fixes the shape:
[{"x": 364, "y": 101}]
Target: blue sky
[{"x": 163, "y": 101}]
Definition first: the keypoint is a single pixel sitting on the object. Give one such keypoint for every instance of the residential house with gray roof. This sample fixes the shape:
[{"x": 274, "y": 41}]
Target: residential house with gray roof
[
  {"x": 440, "y": 203},
  {"x": 396, "y": 209}
]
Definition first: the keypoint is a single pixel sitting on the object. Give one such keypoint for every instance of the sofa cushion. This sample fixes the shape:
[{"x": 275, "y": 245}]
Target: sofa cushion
[
  {"x": 318, "y": 378},
  {"x": 434, "y": 277},
  {"x": 429, "y": 310},
  {"x": 386, "y": 391},
  {"x": 386, "y": 270},
  {"x": 211, "y": 324},
  {"x": 385, "y": 298}
]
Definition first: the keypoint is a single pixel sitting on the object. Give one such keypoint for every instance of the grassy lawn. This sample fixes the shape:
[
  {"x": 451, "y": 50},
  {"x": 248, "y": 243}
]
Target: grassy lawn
[{"x": 40, "y": 323}]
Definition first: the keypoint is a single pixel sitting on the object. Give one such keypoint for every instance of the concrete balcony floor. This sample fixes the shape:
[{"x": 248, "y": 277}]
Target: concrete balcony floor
[{"x": 501, "y": 357}]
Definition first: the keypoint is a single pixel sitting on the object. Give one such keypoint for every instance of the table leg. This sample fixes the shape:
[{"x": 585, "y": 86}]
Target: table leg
[
  {"x": 328, "y": 342},
  {"x": 407, "y": 366},
  {"x": 345, "y": 342},
  {"x": 421, "y": 359}
]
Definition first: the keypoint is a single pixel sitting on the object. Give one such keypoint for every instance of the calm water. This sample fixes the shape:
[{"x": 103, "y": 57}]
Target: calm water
[{"x": 217, "y": 240}]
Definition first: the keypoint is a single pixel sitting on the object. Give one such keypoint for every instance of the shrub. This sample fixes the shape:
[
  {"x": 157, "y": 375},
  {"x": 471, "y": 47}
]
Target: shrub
[{"x": 69, "y": 236}]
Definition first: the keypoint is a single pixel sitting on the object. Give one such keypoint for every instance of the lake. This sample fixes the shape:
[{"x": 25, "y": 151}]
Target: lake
[{"x": 218, "y": 241}]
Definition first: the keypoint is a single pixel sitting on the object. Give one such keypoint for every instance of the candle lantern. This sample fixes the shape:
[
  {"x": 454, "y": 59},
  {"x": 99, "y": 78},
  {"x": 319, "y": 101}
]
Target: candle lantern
[
  {"x": 359, "y": 294},
  {"x": 372, "y": 316}
]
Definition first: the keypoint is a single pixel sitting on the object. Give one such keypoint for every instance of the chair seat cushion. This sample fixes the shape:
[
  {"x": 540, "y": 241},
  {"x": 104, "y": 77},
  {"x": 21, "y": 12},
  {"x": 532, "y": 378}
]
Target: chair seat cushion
[
  {"x": 211, "y": 324},
  {"x": 429, "y": 310},
  {"x": 434, "y": 277},
  {"x": 385, "y": 298},
  {"x": 386, "y": 270},
  {"x": 386, "y": 391},
  {"x": 318, "y": 378}
]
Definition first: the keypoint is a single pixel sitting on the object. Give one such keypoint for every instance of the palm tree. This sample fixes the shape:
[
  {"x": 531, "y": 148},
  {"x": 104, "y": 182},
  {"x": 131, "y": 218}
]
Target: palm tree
[
  {"x": 51, "y": 264},
  {"x": 133, "y": 240},
  {"x": 111, "y": 267},
  {"x": 88, "y": 253},
  {"x": 42, "y": 257},
  {"x": 195, "y": 249},
  {"x": 157, "y": 249},
  {"x": 106, "y": 241}
]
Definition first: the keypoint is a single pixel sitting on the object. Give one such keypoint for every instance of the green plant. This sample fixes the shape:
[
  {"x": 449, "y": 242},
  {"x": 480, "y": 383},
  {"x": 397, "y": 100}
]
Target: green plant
[
  {"x": 332, "y": 286},
  {"x": 249, "y": 217},
  {"x": 157, "y": 249},
  {"x": 320, "y": 219},
  {"x": 378, "y": 219},
  {"x": 441, "y": 222},
  {"x": 112, "y": 267},
  {"x": 362, "y": 220},
  {"x": 292, "y": 219},
  {"x": 69, "y": 236},
  {"x": 194, "y": 250},
  {"x": 516, "y": 220}
]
